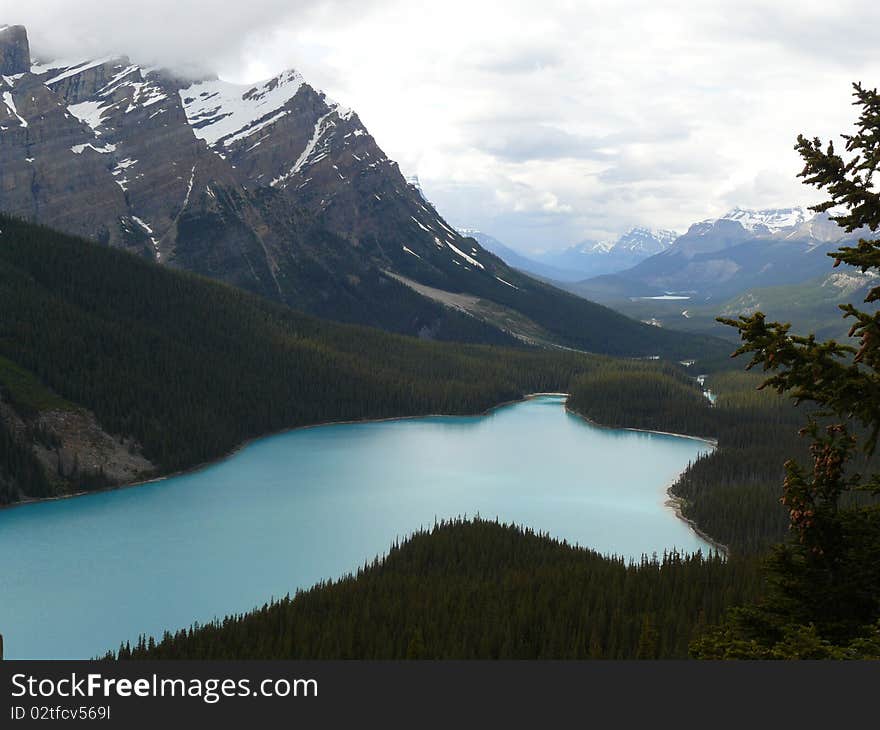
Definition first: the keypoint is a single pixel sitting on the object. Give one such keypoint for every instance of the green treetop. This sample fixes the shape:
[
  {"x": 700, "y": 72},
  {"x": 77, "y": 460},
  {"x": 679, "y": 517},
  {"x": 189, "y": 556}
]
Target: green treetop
[{"x": 824, "y": 586}]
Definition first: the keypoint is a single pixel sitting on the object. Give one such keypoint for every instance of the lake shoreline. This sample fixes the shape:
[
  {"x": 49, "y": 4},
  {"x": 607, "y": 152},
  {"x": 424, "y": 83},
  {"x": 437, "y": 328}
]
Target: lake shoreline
[
  {"x": 672, "y": 502},
  {"x": 676, "y": 503},
  {"x": 244, "y": 444},
  {"x": 705, "y": 439}
]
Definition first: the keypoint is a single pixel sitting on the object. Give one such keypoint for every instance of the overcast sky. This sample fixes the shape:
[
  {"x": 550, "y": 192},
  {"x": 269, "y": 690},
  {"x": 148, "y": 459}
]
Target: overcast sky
[{"x": 542, "y": 123}]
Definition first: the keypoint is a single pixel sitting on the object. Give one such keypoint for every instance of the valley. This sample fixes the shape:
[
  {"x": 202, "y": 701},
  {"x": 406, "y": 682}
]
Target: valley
[
  {"x": 260, "y": 399},
  {"x": 313, "y": 504},
  {"x": 274, "y": 369},
  {"x": 746, "y": 261}
]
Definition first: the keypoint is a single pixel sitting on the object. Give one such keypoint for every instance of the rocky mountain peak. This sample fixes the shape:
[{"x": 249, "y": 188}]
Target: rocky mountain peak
[
  {"x": 768, "y": 220},
  {"x": 645, "y": 240},
  {"x": 15, "y": 54},
  {"x": 269, "y": 186}
]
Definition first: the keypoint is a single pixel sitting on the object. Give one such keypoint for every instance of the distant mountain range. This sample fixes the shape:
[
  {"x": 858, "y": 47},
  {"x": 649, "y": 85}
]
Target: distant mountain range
[
  {"x": 772, "y": 259},
  {"x": 775, "y": 260},
  {"x": 515, "y": 259},
  {"x": 721, "y": 257},
  {"x": 272, "y": 187},
  {"x": 586, "y": 259},
  {"x": 593, "y": 258}
]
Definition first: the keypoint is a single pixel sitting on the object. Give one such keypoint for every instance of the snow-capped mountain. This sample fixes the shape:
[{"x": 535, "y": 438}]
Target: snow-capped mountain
[
  {"x": 769, "y": 220},
  {"x": 722, "y": 257},
  {"x": 645, "y": 241},
  {"x": 588, "y": 258},
  {"x": 742, "y": 224},
  {"x": 271, "y": 187},
  {"x": 593, "y": 258},
  {"x": 139, "y": 158},
  {"x": 589, "y": 247}
]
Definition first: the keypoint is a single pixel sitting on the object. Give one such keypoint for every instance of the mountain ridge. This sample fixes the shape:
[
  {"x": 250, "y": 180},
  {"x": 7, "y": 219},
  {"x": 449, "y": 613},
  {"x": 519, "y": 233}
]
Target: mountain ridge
[
  {"x": 721, "y": 257},
  {"x": 271, "y": 187},
  {"x": 573, "y": 263},
  {"x": 594, "y": 258}
]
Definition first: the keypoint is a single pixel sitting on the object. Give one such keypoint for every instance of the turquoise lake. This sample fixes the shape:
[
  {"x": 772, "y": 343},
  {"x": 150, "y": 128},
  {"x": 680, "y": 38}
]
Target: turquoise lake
[{"x": 78, "y": 576}]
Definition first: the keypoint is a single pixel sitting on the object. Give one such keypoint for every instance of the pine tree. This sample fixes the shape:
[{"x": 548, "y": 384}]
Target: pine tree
[
  {"x": 648, "y": 639},
  {"x": 825, "y": 595}
]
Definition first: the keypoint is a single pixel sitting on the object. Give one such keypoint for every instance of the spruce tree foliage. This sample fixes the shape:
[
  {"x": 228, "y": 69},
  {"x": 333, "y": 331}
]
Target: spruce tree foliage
[
  {"x": 481, "y": 590},
  {"x": 825, "y": 597}
]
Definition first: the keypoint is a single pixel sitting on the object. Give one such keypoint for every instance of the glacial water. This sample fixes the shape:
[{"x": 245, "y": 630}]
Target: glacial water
[{"x": 78, "y": 576}]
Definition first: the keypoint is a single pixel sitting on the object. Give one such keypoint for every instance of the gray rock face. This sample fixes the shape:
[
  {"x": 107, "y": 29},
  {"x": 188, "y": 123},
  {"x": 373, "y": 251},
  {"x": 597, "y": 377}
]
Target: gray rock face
[
  {"x": 49, "y": 169},
  {"x": 15, "y": 55},
  {"x": 271, "y": 187},
  {"x": 105, "y": 150}
]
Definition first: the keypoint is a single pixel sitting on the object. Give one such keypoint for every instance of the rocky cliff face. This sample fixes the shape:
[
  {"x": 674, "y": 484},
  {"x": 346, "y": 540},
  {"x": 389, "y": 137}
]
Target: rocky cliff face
[
  {"x": 271, "y": 187},
  {"x": 15, "y": 54},
  {"x": 72, "y": 450}
]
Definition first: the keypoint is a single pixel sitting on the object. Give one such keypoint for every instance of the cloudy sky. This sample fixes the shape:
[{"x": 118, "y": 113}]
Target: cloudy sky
[{"x": 542, "y": 123}]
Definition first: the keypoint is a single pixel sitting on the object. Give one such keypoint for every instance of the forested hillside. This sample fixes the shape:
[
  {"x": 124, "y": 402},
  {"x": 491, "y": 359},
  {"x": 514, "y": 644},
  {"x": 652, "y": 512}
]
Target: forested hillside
[
  {"x": 481, "y": 590},
  {"x": 628, "y": 395},
  {"x": 732, "y": 493},
  {"x": 184, "y": 369},
  {"x": 189, "y": 368}
]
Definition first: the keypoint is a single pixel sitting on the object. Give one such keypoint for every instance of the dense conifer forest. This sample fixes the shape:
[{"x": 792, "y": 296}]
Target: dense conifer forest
[
  {"x": 732, "y": 493},
  {"x": 627, "y": 394},
  {"x": 478, "y": 589},
  {"x": 18, "y": 465},
  {"x": 192, "y": 368}
]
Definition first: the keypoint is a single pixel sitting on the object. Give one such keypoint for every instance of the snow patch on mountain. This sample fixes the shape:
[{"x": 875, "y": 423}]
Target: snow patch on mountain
[
  {"x": 90, "y": 113},
  {"x": 120, "y": 177},
  {"x": 599, "y": 247},
  {"x": 10, "y": 105},
  {"x": 470, "y": 259},
  {"x": 80, "y": 148},
  {"x": 145, "y": 94},
  {"x": 220, "y": 111},
  {"x": 307, "y": 156}
]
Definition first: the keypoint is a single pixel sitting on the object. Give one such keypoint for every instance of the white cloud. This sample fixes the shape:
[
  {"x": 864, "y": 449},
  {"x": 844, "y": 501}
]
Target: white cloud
[{"x": 541, "y": 123}]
